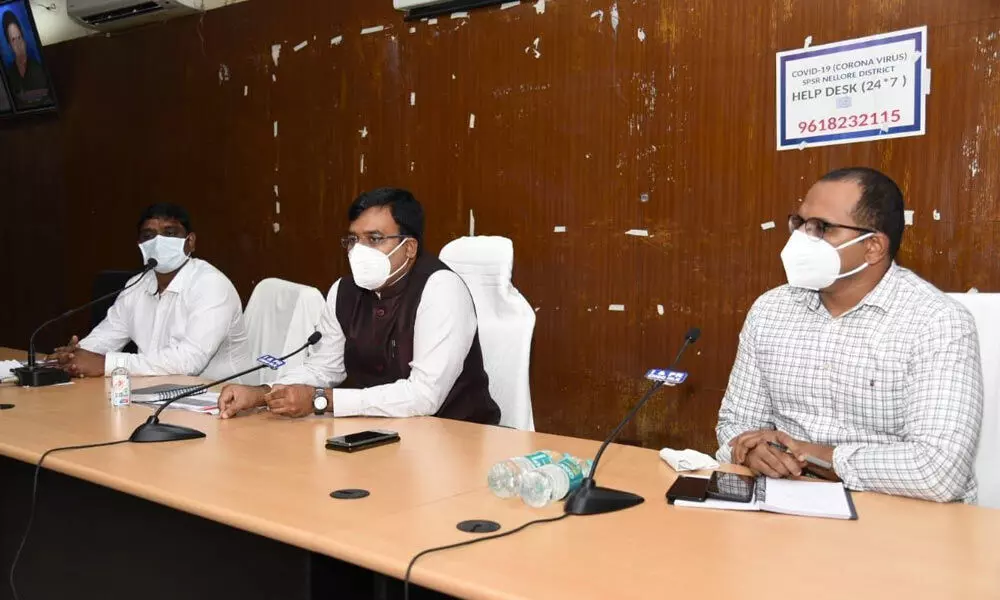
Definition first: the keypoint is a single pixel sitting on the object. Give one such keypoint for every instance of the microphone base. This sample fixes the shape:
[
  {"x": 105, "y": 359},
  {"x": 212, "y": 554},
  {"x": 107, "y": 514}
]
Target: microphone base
[
  {"x": 40, "y": 376},
  {"x": 153, "y": 431},
  {"x": 590, "y": 499}
]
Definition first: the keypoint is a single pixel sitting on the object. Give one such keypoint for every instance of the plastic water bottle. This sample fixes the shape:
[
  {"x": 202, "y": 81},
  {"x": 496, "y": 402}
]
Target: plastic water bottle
[
  {"x": 550, "y": 483},
  {"x": 505, "y": 477},
  {"x": 121, "y": 387}
]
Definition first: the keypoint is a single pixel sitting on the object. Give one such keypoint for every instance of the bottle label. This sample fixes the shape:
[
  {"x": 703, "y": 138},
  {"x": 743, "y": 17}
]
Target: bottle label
[
  {"x": 121, "y": 390},
  {"x": 539, "y": 458},
  {"x": 573, "y": 471}
]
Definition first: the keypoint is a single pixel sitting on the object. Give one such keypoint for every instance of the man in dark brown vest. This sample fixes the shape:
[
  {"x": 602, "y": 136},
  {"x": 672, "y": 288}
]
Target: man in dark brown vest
[{"x": 400, "y": 336}]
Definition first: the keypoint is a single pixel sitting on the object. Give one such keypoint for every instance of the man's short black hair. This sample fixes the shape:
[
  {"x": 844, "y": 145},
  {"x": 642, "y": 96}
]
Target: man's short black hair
[
  {"x": 406, "y": 211},
  {"x": 9, "y": 18},
  {"x": 881, "y": 204},
  {"x": 165, "y": 210}
]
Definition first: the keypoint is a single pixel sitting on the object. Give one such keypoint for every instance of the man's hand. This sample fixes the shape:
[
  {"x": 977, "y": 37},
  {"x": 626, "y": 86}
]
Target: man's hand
[
  {"x": 801, "y": 449},
  {"x": 748, "y": 440},
  {"x": 765, "y": 459},
  {"x": 236, "y": 398},
  {"x": 64, "y": 354},
  {"x": 79, "y": 362},
  {"x": 752, "y": 450},
  {"x": 290, "y": 400}
]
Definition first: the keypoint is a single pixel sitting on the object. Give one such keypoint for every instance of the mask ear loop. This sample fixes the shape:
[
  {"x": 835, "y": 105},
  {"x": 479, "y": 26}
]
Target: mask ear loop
[
  {"x": 848, "y": 244},
  {"x": 401, "y": 267}
]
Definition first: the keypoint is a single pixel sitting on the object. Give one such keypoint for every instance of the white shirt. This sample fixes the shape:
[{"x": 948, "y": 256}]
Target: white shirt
[
  {"x": 443, "y": 332},
  {"x": 195, "y": 327},
  {"x": 894, "y": 384}
]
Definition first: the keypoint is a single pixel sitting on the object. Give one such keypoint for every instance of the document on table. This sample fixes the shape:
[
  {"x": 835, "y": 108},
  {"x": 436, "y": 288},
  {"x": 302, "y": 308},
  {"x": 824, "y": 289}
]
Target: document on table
[
  {"x": 205, "y": 403},
  {"x": 824, "y": 499},
  {"x": 7, "y": 368}
]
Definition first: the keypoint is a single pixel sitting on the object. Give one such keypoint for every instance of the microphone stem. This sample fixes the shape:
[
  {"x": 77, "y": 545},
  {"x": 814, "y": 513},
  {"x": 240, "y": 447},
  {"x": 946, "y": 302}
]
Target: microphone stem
[
  {"x": 614, "y": 434},
  {"x": 202, "y": 388},
  {"x": 31, "y": 341},
  {"x": 642, "y": 402}
]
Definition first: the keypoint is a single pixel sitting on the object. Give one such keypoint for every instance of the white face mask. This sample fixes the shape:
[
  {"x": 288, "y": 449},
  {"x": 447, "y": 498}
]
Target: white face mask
[
  {"x": 370, "y": 267},
  {"x": 815, "y": 264},
  {"x": 168, "y": 252}
]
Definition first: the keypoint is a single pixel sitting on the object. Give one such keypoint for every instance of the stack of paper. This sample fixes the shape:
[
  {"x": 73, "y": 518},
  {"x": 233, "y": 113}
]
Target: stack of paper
[
  {"x": 7, "y": 368},
  {"x": 206, "y": 403},
  {"x": 803, "y": 498}
]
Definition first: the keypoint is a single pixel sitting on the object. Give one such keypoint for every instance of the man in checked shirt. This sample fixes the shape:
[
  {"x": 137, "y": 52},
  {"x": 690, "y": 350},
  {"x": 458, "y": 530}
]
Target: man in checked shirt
[{"x": 857, "y": 361}]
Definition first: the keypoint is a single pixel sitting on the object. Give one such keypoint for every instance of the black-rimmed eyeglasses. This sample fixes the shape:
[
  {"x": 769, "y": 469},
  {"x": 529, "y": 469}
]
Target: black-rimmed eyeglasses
[{"x": 816, "y": 228}]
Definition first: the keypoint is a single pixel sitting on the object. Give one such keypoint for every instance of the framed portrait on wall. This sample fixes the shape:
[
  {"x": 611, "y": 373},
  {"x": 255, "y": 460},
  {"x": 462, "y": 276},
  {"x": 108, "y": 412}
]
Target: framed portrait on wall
[{"x": 28, "y": 85}]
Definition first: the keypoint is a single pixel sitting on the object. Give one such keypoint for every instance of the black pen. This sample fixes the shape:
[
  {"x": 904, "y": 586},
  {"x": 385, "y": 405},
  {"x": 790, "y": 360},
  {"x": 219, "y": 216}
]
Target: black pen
[{"x": 809, "y": 459}]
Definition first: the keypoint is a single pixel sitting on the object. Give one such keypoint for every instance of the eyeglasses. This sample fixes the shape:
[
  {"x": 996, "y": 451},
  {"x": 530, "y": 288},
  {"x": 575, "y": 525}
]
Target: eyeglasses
[
  {"x": 816, "y": 228},
  {"x": 373, "y": 240}
]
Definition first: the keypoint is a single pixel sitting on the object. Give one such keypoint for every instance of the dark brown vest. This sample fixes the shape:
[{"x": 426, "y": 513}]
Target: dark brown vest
[{"x": 379, "y": 343}]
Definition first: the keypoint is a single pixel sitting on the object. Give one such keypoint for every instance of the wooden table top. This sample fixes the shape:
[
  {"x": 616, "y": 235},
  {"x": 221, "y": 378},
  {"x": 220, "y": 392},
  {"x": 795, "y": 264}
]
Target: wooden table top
[{"x": 272, "y": 476}]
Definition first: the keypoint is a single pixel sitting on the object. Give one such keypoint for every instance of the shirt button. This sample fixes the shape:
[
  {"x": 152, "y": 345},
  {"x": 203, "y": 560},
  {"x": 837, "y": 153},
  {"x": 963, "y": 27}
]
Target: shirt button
[{"x": 380, "y": 312}]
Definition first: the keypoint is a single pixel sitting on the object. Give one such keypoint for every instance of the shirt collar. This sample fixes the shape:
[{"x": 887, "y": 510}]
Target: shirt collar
[
  {"x": 178, "y": 284},
  {"x": 880, "y": 297}
]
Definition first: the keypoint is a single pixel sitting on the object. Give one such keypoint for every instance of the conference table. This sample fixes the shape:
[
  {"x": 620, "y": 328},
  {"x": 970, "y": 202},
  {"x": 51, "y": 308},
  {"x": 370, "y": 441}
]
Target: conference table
[{"x": 247, "y": 511}]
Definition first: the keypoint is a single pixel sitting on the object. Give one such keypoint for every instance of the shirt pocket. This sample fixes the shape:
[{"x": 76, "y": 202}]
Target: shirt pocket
[{"x": 869, "y": 393}]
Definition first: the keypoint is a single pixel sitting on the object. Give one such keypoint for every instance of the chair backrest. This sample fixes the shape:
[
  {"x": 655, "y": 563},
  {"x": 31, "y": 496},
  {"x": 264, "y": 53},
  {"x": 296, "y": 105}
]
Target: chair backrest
[
  {"x": 986, "y": 310},
  {"x": 104, "y": 283},
  {"x": 506, "y": 321},
  {"x": 279, "y": 317}
]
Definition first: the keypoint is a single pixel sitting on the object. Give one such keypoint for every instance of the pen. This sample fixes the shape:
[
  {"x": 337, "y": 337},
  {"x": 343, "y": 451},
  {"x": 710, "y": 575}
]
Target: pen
[{"x": 809, "y": 459}]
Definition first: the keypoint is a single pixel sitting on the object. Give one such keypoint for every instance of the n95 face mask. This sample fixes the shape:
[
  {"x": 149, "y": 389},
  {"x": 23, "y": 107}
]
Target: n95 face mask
[
  {"x": 814, "y": 264},
  {"x": 370, "y": 267}
]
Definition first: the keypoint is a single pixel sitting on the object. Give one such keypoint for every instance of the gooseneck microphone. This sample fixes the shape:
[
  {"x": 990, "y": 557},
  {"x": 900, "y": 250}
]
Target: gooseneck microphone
[
  {"x": 33, "y": 375},
  {"x": 589, "y": 499},
  {"x": 154, "y": 431}
]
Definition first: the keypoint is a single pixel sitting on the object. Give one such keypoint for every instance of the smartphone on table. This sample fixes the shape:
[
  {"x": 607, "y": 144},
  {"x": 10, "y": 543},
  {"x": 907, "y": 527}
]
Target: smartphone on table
[
  {"x": 363, "y": 440},
  {"x": 694, "y": 489},
  {"x": 731, "y": 487}
]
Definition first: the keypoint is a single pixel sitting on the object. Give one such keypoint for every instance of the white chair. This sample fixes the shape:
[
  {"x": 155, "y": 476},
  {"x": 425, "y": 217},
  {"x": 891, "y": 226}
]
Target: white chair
[
  {"x": 279, "y": 317},
  {"x": 986, "y": 310},
  {"x": 506, "y": 321}
]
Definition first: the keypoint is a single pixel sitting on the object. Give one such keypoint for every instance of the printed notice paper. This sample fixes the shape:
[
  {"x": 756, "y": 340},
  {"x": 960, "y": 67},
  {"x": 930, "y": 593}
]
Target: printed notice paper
[{"x": 853, "y": 91}]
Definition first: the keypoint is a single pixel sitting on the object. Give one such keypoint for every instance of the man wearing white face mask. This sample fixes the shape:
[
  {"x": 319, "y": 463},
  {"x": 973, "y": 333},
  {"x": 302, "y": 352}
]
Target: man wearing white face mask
[
  {"x": 400, "y": 336},
  {"x": 186, "y": 318},
  {"x": 857, "y": 362}
]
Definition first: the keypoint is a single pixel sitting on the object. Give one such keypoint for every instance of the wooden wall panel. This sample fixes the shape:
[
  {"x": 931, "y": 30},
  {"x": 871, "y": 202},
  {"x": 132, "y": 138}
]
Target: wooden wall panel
[{"x": 576, "y": 136}]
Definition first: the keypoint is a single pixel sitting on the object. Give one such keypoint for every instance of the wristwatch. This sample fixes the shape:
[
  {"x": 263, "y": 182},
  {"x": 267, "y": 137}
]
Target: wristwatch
[{"x": 320, "y": 402}]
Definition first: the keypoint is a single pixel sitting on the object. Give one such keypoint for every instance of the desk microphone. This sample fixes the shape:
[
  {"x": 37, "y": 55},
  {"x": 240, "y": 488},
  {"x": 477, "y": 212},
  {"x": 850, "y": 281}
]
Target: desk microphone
[
  {"x": 589, "y": 499},
  {"x": 33, "y": 375},
  {"x": 154, "y": 431}
]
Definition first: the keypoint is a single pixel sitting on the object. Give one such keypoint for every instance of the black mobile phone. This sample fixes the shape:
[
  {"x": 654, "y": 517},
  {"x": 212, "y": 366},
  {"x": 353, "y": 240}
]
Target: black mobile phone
[
  {"x": 688, "y": 488},
  {"x": 731, "y": 487},
  {"x": 362, "y": 440}
]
